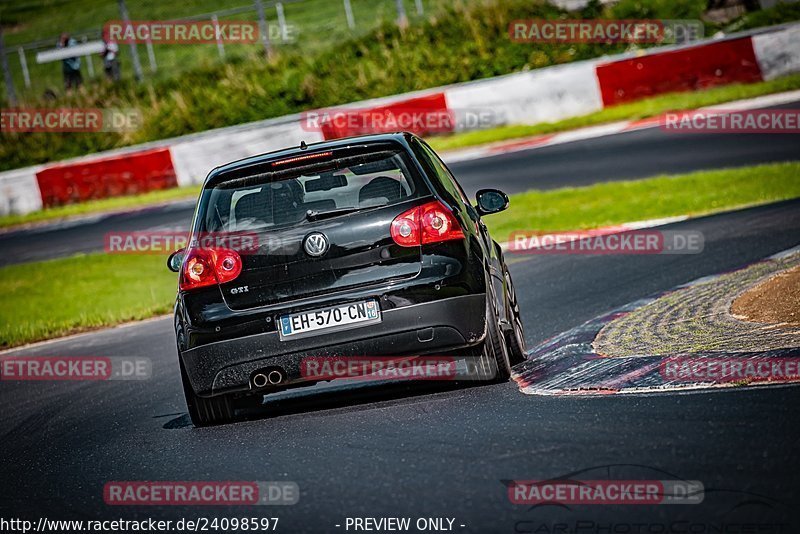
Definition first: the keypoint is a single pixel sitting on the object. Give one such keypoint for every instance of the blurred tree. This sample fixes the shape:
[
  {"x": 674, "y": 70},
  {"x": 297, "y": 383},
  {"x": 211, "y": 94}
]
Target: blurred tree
[{"x": 592, "y": 10}]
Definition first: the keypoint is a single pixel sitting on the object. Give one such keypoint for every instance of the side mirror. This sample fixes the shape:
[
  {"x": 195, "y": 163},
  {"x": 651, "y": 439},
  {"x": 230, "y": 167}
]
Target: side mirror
[
  {"x": 175, "y": 260},
  {"x": 491, "y": 201}
]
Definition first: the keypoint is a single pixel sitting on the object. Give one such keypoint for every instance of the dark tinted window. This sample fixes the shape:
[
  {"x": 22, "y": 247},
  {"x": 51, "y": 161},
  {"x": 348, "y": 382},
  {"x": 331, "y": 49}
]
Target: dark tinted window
[{"x": 283, "y": 197}]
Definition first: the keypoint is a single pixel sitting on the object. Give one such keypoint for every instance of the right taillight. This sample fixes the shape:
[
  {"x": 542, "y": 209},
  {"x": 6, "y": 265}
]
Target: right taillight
[
  {"x": 429, "y": 223},
  {"x": 205, "y": 266}
]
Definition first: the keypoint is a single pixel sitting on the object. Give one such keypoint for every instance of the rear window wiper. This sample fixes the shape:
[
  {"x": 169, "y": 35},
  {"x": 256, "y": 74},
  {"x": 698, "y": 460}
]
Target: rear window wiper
[{"x": 312, "y": 215}]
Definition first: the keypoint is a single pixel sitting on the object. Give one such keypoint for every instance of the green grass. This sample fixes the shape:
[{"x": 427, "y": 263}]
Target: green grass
[
  {"x": 611, "y": 203},
  {"x": 101, "y": 206},
  {"x": 53, "y": 298},
  {"x": 649, "y": 107}
]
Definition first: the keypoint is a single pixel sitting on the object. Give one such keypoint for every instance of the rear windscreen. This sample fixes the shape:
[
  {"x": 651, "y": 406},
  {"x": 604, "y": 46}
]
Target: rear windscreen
[{"x": 302, "y": 190}]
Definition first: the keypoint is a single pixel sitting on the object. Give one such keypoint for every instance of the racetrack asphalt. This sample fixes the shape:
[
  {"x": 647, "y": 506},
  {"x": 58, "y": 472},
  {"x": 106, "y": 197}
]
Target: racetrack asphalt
[
  {"x": 626, "y": 156},
  {"x": 430, "y": 451}
]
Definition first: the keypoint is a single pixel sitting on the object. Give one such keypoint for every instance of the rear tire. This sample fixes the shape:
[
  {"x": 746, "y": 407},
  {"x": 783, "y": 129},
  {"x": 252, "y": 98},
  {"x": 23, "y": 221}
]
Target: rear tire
[
  {"x": 203, "y": 411},
  {"x": 515, "y": 333},
  {"x": 493, "y": 353},
  {"x": 206, "y": 411}
]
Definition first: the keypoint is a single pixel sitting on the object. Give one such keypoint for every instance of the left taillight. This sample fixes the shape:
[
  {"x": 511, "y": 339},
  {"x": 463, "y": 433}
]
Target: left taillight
[
  {"x": 205, "y": 266},
  {"x": 429, "y": 223}
]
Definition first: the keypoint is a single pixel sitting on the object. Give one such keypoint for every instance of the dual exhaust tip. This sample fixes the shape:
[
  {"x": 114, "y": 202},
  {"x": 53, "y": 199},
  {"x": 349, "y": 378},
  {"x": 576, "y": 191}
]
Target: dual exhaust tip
[{"x": 265, "y": 378}]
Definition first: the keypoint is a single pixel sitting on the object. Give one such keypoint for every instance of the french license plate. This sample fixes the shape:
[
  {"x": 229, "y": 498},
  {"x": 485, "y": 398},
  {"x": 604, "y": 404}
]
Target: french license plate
[{"x": 334, "y": 318}]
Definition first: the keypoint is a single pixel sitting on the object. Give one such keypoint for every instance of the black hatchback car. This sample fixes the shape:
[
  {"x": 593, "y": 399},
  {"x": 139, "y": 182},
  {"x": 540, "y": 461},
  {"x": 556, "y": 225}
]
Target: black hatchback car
[{"x": 357, "y": 247}]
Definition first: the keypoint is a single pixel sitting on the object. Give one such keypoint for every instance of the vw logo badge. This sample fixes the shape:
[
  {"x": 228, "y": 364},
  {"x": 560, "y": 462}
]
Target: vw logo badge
[{"x": 315, "y": 244}]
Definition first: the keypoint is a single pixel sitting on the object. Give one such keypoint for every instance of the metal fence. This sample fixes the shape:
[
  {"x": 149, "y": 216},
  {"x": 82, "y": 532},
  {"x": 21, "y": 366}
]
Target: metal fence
[{"x": 22, "y": 71}]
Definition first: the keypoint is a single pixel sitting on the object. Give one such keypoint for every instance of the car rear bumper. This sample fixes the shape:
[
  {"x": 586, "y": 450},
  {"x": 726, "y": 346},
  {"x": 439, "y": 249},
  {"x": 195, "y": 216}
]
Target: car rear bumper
[{"x": 426, "y": 328}]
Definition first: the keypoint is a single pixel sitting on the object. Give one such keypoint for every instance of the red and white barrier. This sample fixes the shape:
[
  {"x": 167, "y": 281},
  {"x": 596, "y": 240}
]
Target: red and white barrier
[
  {"x": 687, "y": 69},
  {"x": 426, "y": 114},
  {"x": 125, "y": 174},
  {"x": 777, "y": 52},
  {"x": 19, "y": 191},
  {"x": 542, "y": 95},
  {"x": 194, "y": 157}
]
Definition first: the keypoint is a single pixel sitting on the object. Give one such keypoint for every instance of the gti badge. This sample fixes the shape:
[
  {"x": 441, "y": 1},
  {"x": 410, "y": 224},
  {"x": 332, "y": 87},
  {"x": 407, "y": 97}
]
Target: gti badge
[{"x": 315, "y": 244}]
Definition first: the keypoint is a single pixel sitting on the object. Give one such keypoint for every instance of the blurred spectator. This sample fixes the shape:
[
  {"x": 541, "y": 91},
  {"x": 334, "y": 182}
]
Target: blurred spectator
[
  {"x": 110, "y": 56},
  {"x": 71, "y": 66}
]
